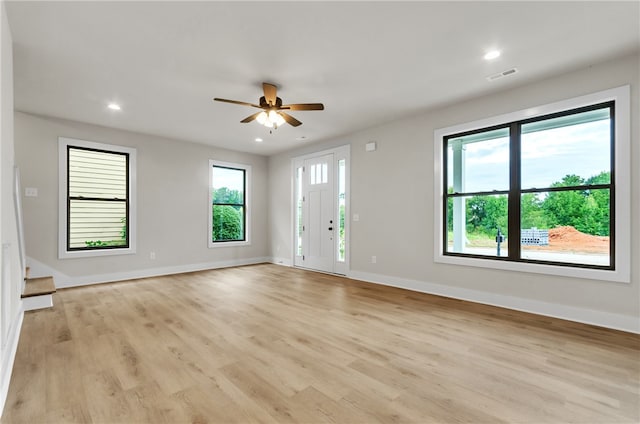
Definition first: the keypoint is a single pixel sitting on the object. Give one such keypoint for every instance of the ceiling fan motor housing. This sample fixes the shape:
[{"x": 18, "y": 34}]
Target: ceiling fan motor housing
[{"x": 265, "y": 105}]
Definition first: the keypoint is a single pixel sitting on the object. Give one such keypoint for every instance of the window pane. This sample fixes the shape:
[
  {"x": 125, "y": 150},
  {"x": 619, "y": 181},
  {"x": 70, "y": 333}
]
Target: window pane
[
  {"x": 567, "y": 151},
  {"x": 97, "y": 224},
  {"x": 97, "y": 174},
  {"x": 299, "y": 211},
  {"x": 228, "y": 209},
  {"x": 479, "y": 162},
  {"x": 319, "y": 174},
  {"x": 341, "y": 210},
  {"x": 228, "y": 223},
  {"x": 228, "y": 185},
  {"x": 569, "y": 226},
  {"x": 473, "y": 224}
]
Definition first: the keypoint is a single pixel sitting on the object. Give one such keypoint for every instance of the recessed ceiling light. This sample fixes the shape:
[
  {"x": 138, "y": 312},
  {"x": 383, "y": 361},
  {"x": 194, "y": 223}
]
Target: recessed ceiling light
[
  {"x": 259, "y": 140},
  {"x": 492, "y": 55},
  {"x": 114, "y": 106}
]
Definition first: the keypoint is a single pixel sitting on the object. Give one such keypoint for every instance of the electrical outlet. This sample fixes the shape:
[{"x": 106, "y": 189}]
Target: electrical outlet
[
  {"x": 30, "y": 192},
  {"x": 152, "y": 255},
  {"x": 374, "y": 259}
]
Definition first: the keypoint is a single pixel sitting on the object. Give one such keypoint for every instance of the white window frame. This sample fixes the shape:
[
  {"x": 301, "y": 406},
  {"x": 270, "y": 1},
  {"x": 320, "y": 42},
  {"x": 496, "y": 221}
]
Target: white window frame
[
  {"x": 247, "y": 201},
  {"x": 63, "y": 253},
  {"x": 622, "y": 142}
]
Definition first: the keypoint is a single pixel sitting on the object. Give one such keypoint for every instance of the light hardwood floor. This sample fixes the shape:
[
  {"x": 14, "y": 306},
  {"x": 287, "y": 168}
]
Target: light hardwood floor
[{"x": 266, "y": 343}]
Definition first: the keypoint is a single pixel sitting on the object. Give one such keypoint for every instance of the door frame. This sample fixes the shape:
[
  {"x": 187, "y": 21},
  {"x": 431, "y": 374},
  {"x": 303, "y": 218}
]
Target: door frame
[{"x": 341, "y": 152}]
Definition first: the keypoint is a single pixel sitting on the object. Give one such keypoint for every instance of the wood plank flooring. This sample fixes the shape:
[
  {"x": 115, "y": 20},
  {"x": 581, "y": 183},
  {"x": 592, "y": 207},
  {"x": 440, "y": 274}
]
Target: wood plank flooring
[{"x": 271, "y": 344}]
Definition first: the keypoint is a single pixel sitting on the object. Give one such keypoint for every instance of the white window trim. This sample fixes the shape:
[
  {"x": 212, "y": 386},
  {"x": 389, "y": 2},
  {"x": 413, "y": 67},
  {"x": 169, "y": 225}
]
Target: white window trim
[
  {"x": 63, "y": 253},
  {"x": 622, "y": 142},
  {"x": 247, "y": 199}
]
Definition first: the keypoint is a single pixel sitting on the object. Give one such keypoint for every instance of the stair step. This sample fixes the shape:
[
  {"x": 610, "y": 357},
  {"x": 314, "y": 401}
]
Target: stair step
[{"x": 38, "y": 287}]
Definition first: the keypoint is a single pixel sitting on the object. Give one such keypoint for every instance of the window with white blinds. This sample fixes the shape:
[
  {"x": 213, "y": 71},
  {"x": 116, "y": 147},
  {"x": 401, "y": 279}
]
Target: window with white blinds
[{"x": 97, "y": 197}]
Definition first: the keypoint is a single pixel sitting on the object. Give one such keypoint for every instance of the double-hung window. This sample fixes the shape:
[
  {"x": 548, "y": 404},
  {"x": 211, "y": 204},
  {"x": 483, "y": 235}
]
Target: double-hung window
[
  {"x": 96, "y": 199},
  {"x": 229, "y": 217},
  {"x": 539, "y": 192}
]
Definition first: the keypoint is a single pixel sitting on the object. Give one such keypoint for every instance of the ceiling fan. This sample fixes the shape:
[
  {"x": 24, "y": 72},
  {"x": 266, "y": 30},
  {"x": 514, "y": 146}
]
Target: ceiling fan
[{"x": 272, "y": 114}]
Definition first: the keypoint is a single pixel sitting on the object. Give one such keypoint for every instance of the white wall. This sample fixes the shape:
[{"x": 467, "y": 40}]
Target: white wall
[
  {"x": 11, "y": 275},
  {"x": 172, "y": 185},
  {"x": 392, "y": 191}
]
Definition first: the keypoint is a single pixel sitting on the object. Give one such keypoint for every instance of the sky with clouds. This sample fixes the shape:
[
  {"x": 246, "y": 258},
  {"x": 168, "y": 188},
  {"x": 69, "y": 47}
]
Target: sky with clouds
[
  {"x": 230, "y": 178},
  {"x": 547, "y": 156}
]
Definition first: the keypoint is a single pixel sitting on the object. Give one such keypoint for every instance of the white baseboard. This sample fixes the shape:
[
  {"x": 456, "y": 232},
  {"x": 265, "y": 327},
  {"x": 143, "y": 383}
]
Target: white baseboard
[
  {"x": 8, "y": 358},
  {"x": 587, "y": 316},
  {"x": 64, "y": 281},
  {"x": 281, "y": 261}
]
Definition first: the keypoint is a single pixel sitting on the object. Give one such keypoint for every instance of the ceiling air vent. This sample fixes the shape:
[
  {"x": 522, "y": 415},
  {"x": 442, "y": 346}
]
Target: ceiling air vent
[{"x": 502, "y": 74}]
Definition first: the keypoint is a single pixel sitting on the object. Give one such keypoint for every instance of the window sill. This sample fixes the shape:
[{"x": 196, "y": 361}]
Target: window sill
[
  {"x": 64, "y": 254},
  {"x": 621, "y": 274},
  {"x": 213, "y": 245}
]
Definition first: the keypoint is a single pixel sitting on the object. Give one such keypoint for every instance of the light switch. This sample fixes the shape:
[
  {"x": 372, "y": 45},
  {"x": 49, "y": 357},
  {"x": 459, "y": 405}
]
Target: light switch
[
  {"x": 356, "y": 217},
  {"x": 30, "y": 192}
]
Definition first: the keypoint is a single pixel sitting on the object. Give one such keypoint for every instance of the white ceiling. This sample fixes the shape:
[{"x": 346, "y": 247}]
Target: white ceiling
[{"x": 368, "y": 62}]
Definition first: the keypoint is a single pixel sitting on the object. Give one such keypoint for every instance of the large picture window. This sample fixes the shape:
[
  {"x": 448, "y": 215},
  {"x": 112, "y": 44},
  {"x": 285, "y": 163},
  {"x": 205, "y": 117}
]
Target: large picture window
[
  {"x": 540, "y": 190},
  {"x": 96, "y": 198},
  {"x": 229, "y": 198}
]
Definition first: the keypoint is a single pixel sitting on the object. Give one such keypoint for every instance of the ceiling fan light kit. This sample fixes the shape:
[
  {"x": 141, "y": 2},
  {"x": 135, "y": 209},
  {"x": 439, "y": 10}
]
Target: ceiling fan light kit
[
  {"x": 270, "y": 120},
  {"x": 272, "y": 115}
]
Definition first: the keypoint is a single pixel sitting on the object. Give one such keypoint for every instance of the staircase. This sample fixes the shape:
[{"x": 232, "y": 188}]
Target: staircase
[{"x": 37, "y": 292}]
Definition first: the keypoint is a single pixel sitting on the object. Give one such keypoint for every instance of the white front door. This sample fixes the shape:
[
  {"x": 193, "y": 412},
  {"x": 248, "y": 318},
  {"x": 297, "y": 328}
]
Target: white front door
[
  {"x": 320, "y": 209},
  {"x": 318, "y": 215}
]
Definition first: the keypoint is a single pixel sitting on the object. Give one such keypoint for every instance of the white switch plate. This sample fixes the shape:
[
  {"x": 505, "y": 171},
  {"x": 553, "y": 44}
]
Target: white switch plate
[
  {"x": 356, "y": 217},
  {"x": 30, "y": 192},
  {"x": 370, "y": 147}
]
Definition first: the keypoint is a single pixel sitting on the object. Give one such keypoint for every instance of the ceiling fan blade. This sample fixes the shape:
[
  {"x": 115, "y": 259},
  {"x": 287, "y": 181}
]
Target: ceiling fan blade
[
  {"x": 250, "y": 118},
  {"x": 236, "y": 102},
  {"x": 290, "y": 119},
  {"x": 269, "y": 93},
  {"x": 304, "y": 106}
]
